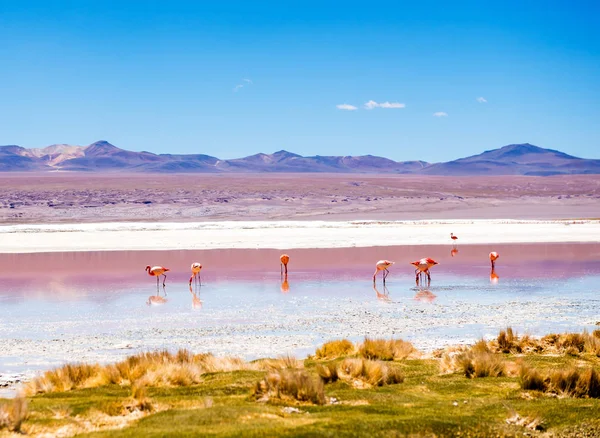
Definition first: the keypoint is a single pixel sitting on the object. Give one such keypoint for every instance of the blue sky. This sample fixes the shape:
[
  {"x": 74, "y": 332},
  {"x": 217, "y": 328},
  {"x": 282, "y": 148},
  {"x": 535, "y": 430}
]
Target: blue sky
[{"x": 234, "y": 78}]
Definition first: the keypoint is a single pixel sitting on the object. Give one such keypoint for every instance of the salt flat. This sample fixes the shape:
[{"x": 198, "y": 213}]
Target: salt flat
[{"x": 287, "y": 234}]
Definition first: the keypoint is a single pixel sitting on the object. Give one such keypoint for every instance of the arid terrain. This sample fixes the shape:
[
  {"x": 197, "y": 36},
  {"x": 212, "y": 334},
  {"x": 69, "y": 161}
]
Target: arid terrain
[{"x": 86, "y": 197}]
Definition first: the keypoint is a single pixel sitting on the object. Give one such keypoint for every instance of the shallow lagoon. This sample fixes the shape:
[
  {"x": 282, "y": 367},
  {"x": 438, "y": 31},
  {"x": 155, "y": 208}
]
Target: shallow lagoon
[{"x": 82, "y": 316}]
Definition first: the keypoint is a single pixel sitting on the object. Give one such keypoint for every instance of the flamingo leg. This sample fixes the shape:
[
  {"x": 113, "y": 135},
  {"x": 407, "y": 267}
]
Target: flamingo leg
[
  {"x": 164, "y": 279},
  {"x": 199, "y": 279},
  {"x": 157, "y": 281},
  {"x": 281, "y": 268},
  {"x": 375, "y": 275}
]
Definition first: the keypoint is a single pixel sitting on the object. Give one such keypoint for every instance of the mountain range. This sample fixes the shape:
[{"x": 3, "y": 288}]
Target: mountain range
[{"x": 101, "y": 156}]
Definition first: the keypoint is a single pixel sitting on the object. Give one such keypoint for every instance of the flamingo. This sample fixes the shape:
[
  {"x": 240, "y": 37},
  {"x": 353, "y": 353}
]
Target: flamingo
[
  {"x": 285, "y": 286},
  {"x": 493, "y": 257},
  {"x": 157, "y": 271},
  {"x": 453, "y": 237},
  {"x": 422, "y": 266},
  {"x": 382, "y": 265},
  {"x": 284, "y": 262},
  {"x": 196, "y": 268}
]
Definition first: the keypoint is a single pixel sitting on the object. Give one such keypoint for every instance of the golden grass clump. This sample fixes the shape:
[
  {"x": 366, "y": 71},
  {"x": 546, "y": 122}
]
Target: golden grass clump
[
  {"x": 13, "y": 414},
  {"x": 570, "y": 382},
  {"x": 383, "y": 349},
  {"x": 567, "y": 343},
  {"x": 449, "y": 359},
  {"x": 477, "y": 363},
  {"x": 296, "y": 385},
  {"x": 335, "y": 349},
  {"x": 530, "y": 378},
  {"x": 282, "y": 363},
  {"x": 508, "y": 341},
  {"x": 160, "y": 368},
  {"x": 364, "y": 373},
  {"x": 328, "y": 372}
]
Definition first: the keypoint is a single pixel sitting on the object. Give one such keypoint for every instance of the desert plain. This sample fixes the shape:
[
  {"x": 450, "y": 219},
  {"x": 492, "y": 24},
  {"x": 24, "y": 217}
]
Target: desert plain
[{"x": 55, "y": 197}]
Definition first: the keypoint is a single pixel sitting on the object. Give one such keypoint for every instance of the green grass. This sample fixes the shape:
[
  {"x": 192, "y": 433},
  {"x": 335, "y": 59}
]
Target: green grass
[{"x": 427, "y": 403}]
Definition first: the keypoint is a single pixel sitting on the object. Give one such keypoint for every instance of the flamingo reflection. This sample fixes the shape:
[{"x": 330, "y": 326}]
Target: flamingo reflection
[
  {"x": 454, "y": 252},
  {"x": 494, "y": 278},
  {"x": 285, "y": 286},
  {"x": 385, "y": 296},
  {"x": 196, "y": 301},
  {"x": 157, "y": 299},
  {"x": 425, "y": 296}
]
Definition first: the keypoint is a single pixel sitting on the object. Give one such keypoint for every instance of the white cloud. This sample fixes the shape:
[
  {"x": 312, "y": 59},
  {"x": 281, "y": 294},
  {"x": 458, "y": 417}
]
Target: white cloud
[
  {"x": 481, "y": 100},
  {"x": 345, "y": 106},
  {"x": 238, "y": 87},
  {"x": 372, "y": 104},
  {"x": 440, "y": 114}
]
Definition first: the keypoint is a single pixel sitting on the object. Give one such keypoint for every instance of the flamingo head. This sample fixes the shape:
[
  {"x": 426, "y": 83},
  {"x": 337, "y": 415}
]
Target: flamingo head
[
  {"x": 148, "y": 268},
  {"x": 431, "y": 262}
]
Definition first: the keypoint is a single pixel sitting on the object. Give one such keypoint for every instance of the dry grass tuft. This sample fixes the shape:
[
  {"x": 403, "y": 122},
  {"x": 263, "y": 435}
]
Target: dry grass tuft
[
  {"x": 139, "y": 399},
  {"x": 508, "y": 341},
  {"x": 364, "y": 373},
  {"x": 383, "y": 349},
  {"x": 284, "y": 362},
  {"x": 13, "y": 414},
  {"x": 328, "y": 372},
  {"x": 481, "y": 364},
  {"x": 335, "y": 349},
  {"x": 160, "y": 368},
  {"x": 570, "y": 382},
  {"x": 530, "y": 378},
  {"x": 296, "y": 385},
  {"x": 567, "y": 343}
]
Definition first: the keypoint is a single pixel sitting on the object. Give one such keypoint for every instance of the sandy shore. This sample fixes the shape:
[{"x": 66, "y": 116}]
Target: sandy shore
[{"x": 287, "y": 235}]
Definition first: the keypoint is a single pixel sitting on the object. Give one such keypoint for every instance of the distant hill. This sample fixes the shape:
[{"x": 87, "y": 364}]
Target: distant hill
[
  {"x": 101, "y": 156},
  {"x": 516, "y": 159}
]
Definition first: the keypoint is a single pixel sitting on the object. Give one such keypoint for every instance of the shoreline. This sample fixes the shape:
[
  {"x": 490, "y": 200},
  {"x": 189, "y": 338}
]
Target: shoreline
[{"x": 287, "y": 235}]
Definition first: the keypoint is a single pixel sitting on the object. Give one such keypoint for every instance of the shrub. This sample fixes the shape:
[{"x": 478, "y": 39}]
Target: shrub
[{"x": 335, "y": 349}]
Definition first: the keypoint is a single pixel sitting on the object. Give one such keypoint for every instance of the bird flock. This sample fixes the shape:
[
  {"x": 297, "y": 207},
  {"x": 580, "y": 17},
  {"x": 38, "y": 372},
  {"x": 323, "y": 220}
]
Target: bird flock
[{"x": 422, "y": 267}]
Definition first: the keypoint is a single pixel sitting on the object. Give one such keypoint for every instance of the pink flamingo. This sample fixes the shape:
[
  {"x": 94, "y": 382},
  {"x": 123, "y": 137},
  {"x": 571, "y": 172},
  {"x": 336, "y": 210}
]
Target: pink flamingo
[
  {"x": 157, "y": 271},
  {"x": 493, "y": 257},
  {"x": 196, "y": 268},
  {"x": 382, "y": 265},
  {"x": 422, "y": 267},
  {"x": 285, "y": 259}
]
